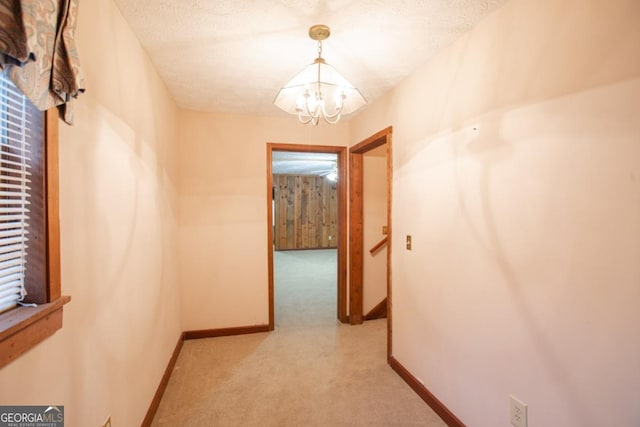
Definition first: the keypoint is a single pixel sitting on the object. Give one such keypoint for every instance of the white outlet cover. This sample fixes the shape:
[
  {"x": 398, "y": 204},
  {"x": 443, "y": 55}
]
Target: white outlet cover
[{"x": 518, "y": 412}]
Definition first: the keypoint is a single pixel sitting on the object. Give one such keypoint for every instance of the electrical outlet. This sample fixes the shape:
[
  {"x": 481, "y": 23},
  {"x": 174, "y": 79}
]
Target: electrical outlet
[
  {"x": 518, "y": 413},
  {"x": 107, "y": 422}
]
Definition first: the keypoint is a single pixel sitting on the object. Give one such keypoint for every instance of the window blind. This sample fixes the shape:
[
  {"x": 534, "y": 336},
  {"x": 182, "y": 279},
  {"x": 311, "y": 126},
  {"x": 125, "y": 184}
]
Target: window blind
[{"x": 15, "y": 121}]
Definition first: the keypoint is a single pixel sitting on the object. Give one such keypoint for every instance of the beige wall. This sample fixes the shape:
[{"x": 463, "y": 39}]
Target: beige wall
[
  {"x": 119, "y": 228},
  {"x": 374, "y": 209},
  {"x": 524, "y": 275},
  {"x": 223, "y": 213}
]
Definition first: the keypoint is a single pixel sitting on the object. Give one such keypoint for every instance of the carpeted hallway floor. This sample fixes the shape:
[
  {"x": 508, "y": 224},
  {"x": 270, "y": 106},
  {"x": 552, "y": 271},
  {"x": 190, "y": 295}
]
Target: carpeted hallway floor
[{"x": 310, "y": 371}]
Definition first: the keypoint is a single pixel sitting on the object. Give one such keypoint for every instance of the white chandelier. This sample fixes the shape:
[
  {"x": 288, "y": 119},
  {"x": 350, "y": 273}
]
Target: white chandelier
[{"x": 319, "y": 91}]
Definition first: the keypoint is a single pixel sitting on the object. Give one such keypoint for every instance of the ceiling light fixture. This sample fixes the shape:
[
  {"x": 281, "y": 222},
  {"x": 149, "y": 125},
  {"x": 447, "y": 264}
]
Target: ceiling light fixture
[
  {"x": 333, "y": 174},
  {"x": 319, "y": 91}
]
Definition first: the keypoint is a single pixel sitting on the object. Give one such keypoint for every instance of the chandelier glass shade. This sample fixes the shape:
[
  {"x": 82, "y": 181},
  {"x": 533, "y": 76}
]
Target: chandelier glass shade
[{"x": 319, "y": 92}]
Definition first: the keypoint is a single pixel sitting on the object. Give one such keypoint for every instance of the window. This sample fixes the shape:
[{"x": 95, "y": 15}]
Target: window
[
  {"x": 30, "y": 301},
  {"x": 20, "y": 127}
]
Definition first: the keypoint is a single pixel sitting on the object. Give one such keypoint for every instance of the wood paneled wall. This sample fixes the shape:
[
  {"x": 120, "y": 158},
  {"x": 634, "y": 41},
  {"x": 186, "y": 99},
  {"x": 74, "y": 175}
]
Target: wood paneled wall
[{"x": 306, "y": 212}]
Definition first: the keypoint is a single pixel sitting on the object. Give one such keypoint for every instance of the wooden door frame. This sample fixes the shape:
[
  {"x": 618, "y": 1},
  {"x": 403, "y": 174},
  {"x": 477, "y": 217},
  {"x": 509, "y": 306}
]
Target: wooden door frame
[
  {"x": 356, "y": 237},
  {"x": 341, "y": 153}
]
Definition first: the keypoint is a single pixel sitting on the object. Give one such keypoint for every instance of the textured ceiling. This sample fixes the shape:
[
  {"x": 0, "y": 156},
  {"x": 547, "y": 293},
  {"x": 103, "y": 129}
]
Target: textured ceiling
[
  {"x": 233, "y": 55},
  {"x": 295, "y": 163}
]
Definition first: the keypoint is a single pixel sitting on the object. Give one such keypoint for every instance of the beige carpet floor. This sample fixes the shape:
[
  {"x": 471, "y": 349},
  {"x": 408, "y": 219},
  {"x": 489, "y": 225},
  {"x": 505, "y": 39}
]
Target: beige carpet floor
[{"x": 310, "y": 371}]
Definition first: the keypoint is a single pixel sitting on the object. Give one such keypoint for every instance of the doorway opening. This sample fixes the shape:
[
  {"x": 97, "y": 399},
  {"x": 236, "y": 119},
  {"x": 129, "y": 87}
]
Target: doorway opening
[
  {"x": 299, "y": 212},
  {"x": 372, "y": 145}
]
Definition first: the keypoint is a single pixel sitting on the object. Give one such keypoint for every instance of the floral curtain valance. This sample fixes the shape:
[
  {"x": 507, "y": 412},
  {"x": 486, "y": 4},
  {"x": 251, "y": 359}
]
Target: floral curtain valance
[{"x": 37, "y": 49}]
